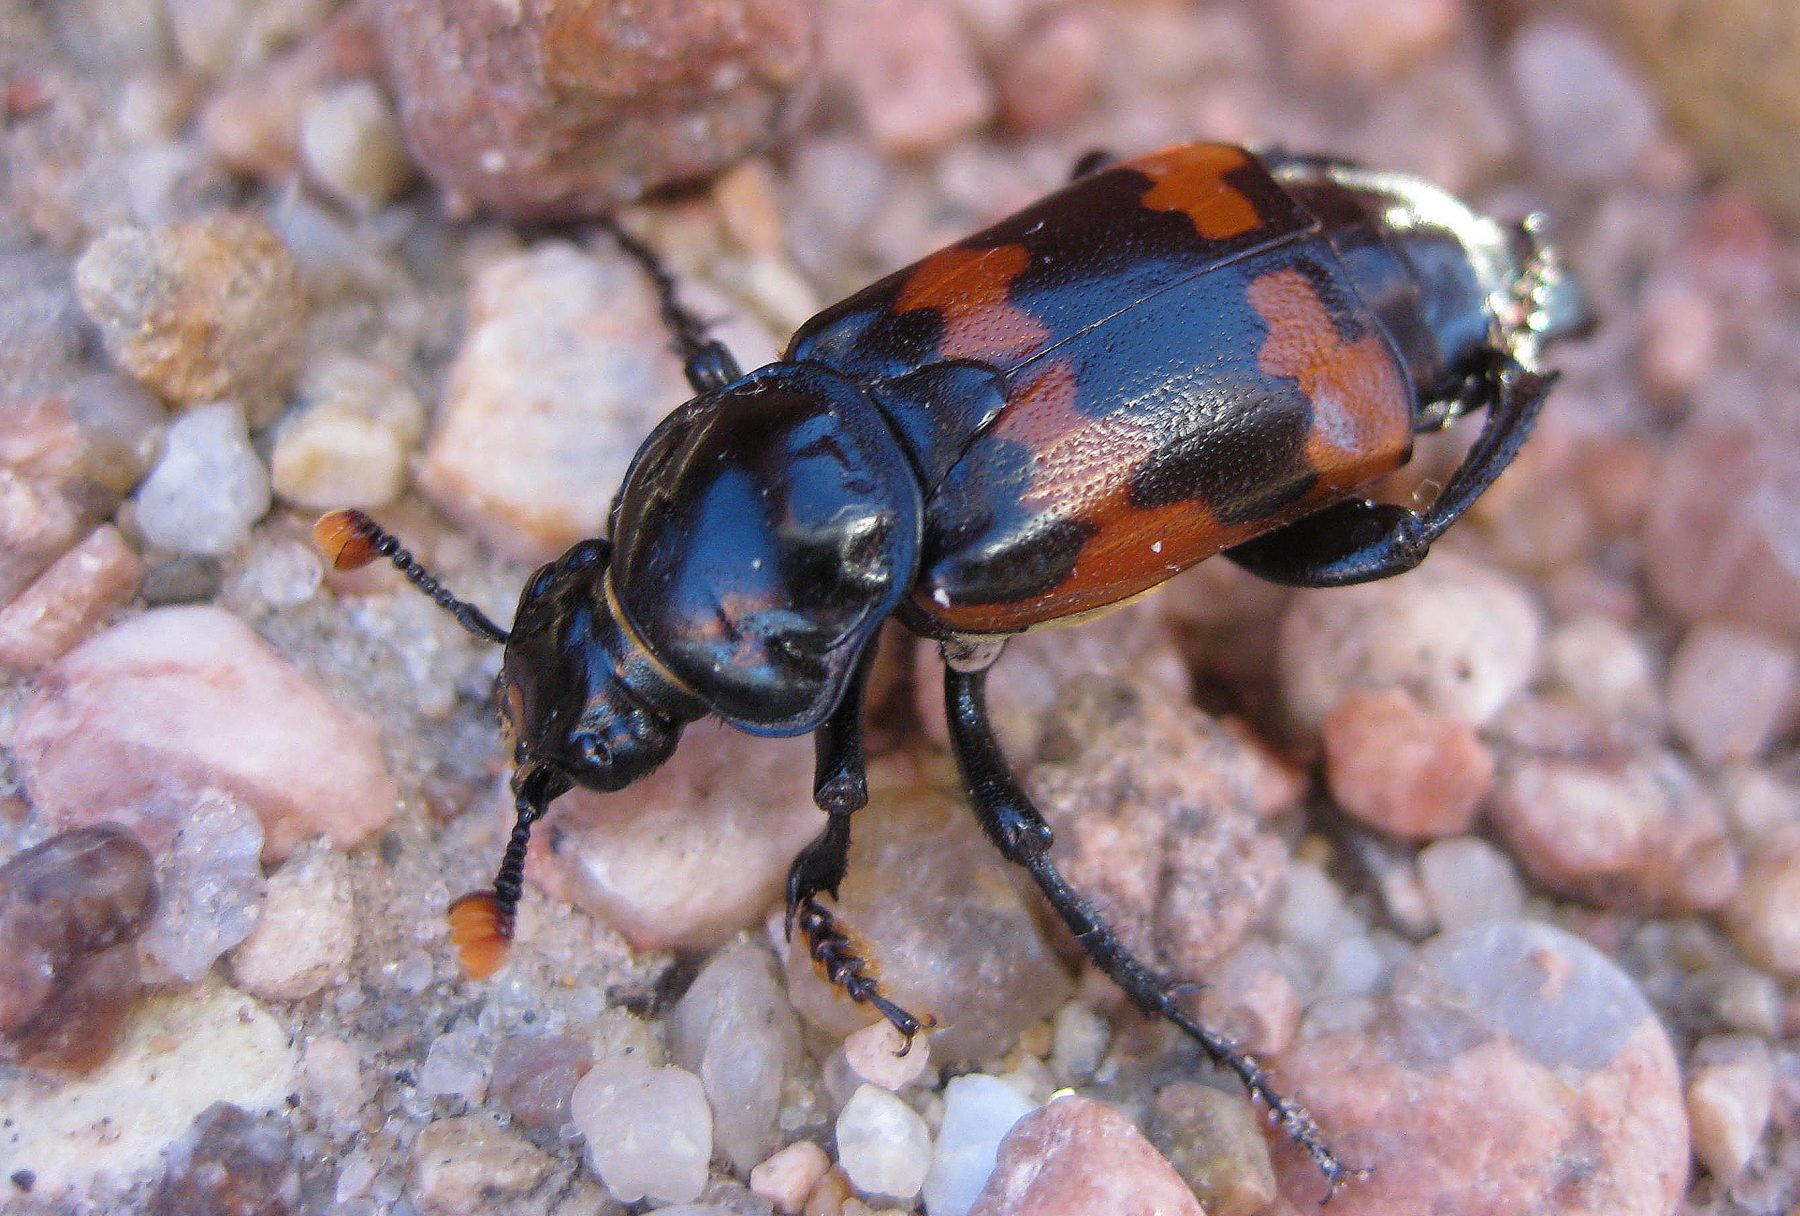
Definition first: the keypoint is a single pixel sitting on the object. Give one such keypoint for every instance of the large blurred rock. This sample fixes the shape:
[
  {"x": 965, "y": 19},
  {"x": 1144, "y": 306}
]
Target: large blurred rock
[
  {"x": 1728, "y": 72},
  {"x": 543, "y": 110}
]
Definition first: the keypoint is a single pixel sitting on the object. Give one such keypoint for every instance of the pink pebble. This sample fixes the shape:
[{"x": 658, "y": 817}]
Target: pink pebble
[
  {"x": 180, "y": 700},
  {"x": 66, "y": 602},
  {"x": 1402, "y": 770},
  {"x": 1079, "y": 1157}
]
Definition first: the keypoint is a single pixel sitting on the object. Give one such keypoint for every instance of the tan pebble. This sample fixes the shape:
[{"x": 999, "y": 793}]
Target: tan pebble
[
  {"x": 791, "y": 1175},
  {"x": 463, "y": 1166},
  {"x": 306, "y": 934}
]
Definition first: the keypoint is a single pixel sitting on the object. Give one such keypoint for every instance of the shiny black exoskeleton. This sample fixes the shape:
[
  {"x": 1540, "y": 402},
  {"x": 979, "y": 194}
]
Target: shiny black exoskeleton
[{"x": 1201, "y": 350}]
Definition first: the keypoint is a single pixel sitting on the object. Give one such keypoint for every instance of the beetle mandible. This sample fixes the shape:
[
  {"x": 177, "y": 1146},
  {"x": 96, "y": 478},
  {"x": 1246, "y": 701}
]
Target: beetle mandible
[{"x": 1200, "y": 350}]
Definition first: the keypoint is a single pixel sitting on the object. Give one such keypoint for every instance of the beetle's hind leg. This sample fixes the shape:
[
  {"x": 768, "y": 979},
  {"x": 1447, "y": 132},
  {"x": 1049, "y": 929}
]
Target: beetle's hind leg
[
  {"x": 1360, "y": 541},
  {"x": 841, "y": 788},
  {"x": 706, "y": 361},
  {"x": 1014, "y": 825}
]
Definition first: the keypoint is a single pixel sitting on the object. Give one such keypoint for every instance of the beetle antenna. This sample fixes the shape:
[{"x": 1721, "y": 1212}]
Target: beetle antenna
[
  {"x": 481, "y": 922},
  {"x": 352, "y": 540}
]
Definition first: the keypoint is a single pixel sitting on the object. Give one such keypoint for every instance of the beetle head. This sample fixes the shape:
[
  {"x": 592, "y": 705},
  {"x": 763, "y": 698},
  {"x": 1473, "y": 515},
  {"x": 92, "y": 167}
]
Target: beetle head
[{"x": 584, "y": 702}]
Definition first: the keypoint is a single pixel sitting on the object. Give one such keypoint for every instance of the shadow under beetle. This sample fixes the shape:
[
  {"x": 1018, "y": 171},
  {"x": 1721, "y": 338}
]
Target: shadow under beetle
[{"x": 1200, "y": 350}]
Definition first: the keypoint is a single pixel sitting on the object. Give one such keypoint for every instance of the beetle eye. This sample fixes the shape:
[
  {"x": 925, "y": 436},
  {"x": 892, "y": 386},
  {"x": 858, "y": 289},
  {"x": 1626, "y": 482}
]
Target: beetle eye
[{"x": 592, "y": 750}]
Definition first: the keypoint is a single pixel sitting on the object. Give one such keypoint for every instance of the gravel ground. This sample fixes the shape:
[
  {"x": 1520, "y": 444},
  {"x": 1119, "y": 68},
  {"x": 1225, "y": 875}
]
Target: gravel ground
[{"x": 1497, "y": 865}]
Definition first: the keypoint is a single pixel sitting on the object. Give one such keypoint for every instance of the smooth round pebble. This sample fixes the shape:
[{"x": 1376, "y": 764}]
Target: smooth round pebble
[
  {"x": 1079, "y": 1157},
  {"x": 137, "y": 720},
  {"x": 1589, "y": 115},
  {"x": 648, "y": 1130},
  {"x": 1402, "y": 771},
  {"x": 874, "y": 1054},
  {"x": 978, "y": 1112},
  {"x": 1764, "y": 918},
  {"x": 1461, "y": 638},
  {"x": 1468, "y": 881},
  {"x": 1730, "y": 1092},
  {"x": 883, "y": 1145},
  {"x": 208, "y": 488},
  {"x": 1730, "y": 690},
  {"x": 350, "y": 144}
]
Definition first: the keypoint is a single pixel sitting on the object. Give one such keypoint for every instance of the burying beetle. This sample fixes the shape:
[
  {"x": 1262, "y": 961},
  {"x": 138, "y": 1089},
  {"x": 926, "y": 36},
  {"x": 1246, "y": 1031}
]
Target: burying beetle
[{"x": 1203, "y": 349}]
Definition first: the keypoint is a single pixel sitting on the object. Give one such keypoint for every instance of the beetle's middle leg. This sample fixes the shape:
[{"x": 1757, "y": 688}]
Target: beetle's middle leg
[
  {"x": 1017, "y": 827},
  {"x": 1360, "y": 541},
  {"x": 841, "y": 788},
  {"x": 706, "y": 361}
]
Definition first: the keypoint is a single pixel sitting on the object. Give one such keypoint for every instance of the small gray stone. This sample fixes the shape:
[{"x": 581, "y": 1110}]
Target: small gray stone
[
  {"x": 1730, "y": 690},
  {"x": 1212, "y": 1139},
  {"x": 735, "y": 1029},
  {"x": 1589, "y": 115},
  {"x": 1469, "y": 881},
  {"x": 209, "y": 884},
  {"x": 208, "y": 488}
]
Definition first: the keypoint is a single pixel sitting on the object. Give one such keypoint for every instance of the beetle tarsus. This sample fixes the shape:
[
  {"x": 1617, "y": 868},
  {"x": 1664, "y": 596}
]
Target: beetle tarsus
[
  {"x": 836, "y": 955},
  {"x": 1007, "y": 815}
]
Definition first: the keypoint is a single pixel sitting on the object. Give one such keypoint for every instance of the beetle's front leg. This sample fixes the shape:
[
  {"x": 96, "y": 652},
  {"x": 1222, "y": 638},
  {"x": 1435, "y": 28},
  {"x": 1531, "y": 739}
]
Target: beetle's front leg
[
  {"x": 1359, "y": 541},
  {"x": 840, "y": 788},
  {"x": 1017, "y": 827}
]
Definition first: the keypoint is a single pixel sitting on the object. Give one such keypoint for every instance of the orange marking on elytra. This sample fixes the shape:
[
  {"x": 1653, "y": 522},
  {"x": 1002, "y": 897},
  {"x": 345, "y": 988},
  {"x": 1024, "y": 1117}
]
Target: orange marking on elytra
[
  {"x": 1191, "y": 179},
  {"x": 969, "y": 288},
  {"x": 1362, "y": 414},
  {"x": 1082, "y": 469}
]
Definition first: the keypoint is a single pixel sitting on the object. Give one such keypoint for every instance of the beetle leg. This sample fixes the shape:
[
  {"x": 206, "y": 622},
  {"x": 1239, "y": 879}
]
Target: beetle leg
[
  {"x": 705, "y": 360},
  {"x": 841, "y": 788},
  {"x": 1007, "y": 815},
  {"x": 1360, "y": 541}
]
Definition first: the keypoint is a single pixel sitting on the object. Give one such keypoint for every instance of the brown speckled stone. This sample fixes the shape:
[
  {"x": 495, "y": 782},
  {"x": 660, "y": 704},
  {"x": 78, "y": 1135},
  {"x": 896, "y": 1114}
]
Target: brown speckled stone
[
  {"x": 199, "y": 311},
  {"x": 1155, "y": 810}
]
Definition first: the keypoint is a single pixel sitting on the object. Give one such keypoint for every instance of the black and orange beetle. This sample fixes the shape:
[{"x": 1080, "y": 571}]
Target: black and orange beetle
[{"x": 1201, "y": 350}]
